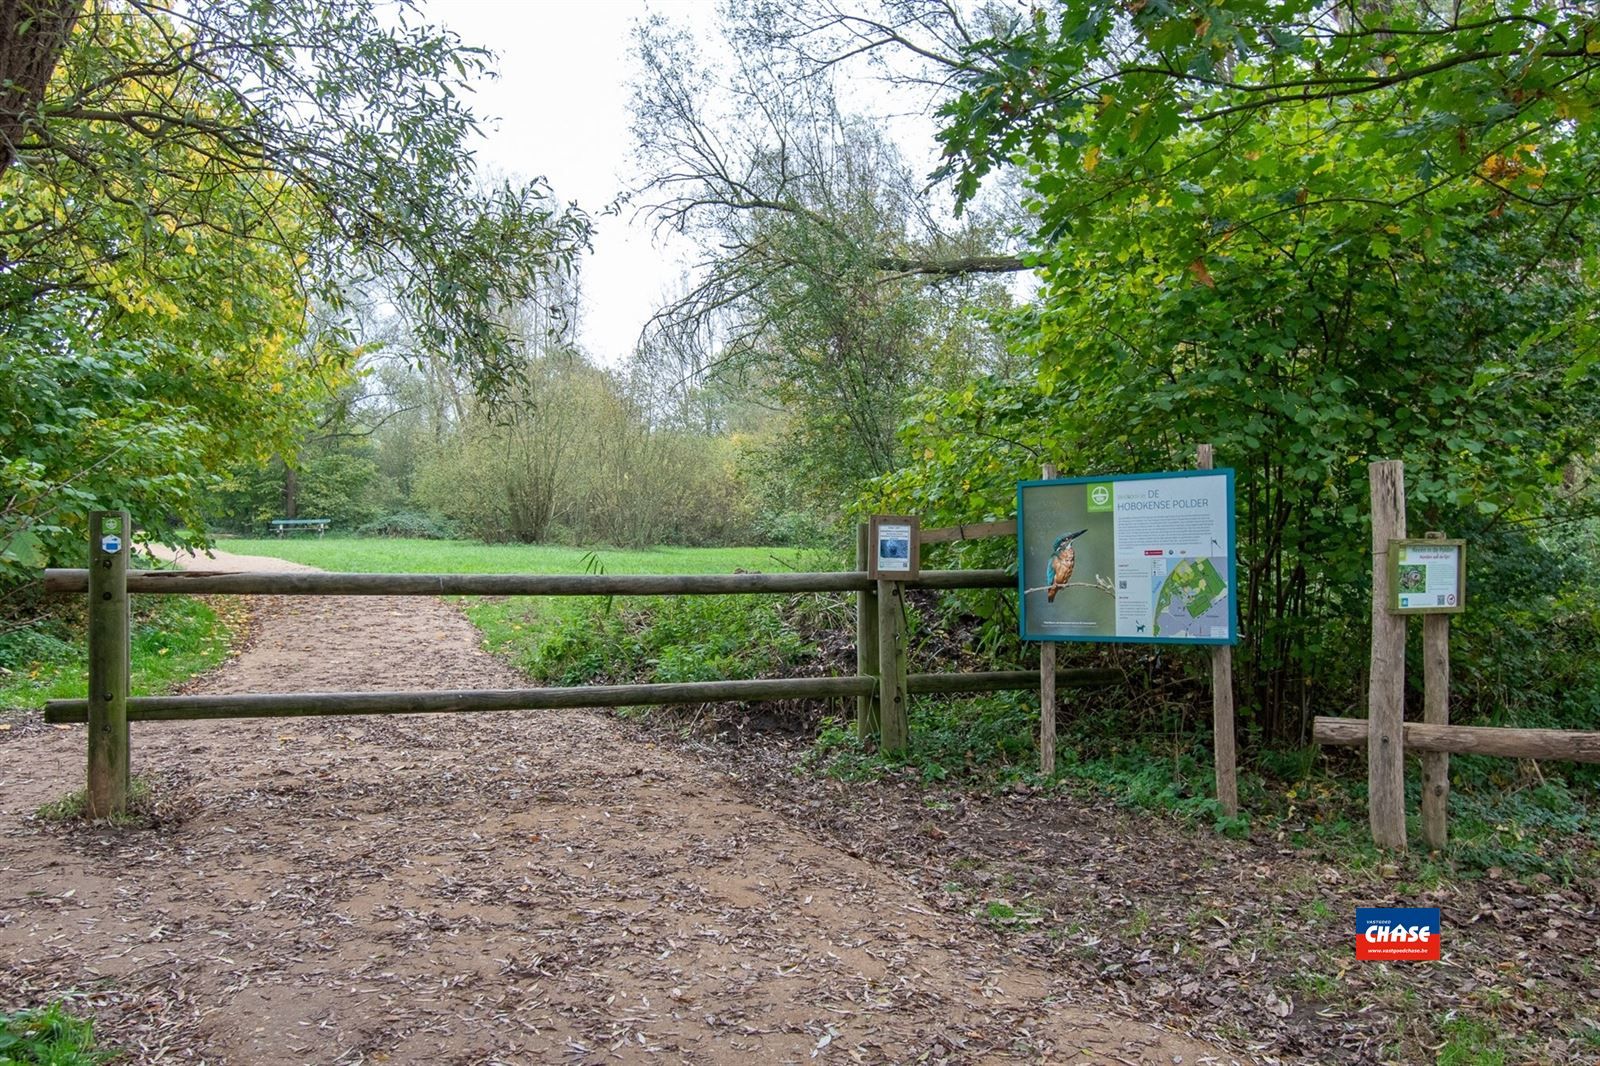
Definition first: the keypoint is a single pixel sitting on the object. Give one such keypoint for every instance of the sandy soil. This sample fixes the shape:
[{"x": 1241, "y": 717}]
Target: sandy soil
[{"x": 485, "y": 888}]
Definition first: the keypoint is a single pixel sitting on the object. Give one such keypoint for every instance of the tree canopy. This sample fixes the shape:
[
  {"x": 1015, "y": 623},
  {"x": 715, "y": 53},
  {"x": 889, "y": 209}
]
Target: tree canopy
[
  {"x": 1313, "y": 235},
  {"x": 188, "y": 194}
]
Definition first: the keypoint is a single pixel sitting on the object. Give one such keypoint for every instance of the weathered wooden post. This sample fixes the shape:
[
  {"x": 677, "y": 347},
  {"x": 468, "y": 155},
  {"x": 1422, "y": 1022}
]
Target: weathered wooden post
[
  {"x": 1047, "y": 684},
  {"x": 1386, "y": 694},
  {"x": 1435, "y": 711},
  {"x": 893, "y": 558},
  {"x": 1224, "y": 750},
  {"x": 108, "y": 663},
  {"x": 867, "y": 715},
  {"x": 895, "y": 733}
]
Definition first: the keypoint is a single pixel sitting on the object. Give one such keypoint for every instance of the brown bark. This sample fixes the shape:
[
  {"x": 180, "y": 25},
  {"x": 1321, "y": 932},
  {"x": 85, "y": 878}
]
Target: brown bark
[{"x": 33, "y": 34}]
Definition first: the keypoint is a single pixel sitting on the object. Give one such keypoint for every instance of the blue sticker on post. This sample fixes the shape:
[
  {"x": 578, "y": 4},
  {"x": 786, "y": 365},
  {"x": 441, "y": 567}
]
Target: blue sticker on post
[
  {"x": 111, "y": 544},
  {"x": 1397, "y": 934}
]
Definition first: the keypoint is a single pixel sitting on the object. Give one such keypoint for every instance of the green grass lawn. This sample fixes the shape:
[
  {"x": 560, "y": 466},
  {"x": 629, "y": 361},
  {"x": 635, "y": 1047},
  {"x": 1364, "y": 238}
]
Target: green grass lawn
[
  {"x": 396, "y": 556},
  {"x": 525, "y": 630}
]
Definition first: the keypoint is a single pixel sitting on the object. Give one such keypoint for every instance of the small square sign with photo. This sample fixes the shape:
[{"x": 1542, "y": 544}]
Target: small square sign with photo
[{"x": 893, "y": 542}]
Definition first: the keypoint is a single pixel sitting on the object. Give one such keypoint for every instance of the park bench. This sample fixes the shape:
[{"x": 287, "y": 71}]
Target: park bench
[{"x": 281, "y": 526}]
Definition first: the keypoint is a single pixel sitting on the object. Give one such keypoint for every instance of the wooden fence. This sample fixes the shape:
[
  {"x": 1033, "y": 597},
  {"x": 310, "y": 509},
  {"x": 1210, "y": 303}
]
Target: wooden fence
[
  {"x": 1385, "y": 733},
  {"x": 881, "y": 685}
]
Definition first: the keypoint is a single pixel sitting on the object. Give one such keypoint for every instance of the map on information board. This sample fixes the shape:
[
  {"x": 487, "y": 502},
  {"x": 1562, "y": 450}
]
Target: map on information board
[{"x": 1132, "y": 558}]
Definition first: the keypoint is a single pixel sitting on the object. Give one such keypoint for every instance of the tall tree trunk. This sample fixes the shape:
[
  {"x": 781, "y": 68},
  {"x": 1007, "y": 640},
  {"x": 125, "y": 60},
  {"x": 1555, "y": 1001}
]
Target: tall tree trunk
[
  {"x": 291, "y": 489},
  {"x": 33, "y": 34}
]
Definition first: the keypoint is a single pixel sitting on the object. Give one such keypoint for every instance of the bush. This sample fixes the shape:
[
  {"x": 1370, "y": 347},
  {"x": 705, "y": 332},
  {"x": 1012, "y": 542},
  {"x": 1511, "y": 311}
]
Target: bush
[{"x": 417, "y": 524}]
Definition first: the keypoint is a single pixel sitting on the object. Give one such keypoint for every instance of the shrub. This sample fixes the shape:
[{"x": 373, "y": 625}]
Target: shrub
[{"x": 419, "y": 524}]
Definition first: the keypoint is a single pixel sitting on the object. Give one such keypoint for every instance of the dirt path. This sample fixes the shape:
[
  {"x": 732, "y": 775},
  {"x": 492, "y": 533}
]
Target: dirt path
[{"x": 483, "y": 888}]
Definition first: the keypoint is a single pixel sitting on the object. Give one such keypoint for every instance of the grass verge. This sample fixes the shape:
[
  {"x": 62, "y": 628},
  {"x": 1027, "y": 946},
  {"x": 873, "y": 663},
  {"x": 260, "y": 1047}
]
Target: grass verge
[
  {"x": 174, "y": 638},
  {"x": 48, "y": 1036}
]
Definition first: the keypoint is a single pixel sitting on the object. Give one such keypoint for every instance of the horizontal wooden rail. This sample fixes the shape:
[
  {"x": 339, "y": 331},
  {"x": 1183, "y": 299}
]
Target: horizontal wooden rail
[
  {"x": 315, "y": 704},
  {"x": 243, "y": 583},
  {"x": 1570, "y": 745},
  {"x": 969, "y": 531}
]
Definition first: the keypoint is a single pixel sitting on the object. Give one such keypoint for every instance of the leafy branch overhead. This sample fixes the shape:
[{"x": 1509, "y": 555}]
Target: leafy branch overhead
[
  {"x": 1463, "y": 95},
  {"x": 1312, "y": 234},
  {"x": 189, "y": 194},
  {"x": 349, "y": 120}
]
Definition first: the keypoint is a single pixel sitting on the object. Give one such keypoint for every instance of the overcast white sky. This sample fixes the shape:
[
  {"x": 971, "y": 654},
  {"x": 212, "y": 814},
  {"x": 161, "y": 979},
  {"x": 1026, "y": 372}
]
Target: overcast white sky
[{"x": 560, "y": 109}]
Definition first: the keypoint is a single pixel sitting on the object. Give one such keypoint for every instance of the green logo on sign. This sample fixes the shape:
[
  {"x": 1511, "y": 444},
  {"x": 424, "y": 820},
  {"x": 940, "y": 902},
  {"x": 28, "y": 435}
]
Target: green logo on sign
[{"x": 1100, "y": 496}]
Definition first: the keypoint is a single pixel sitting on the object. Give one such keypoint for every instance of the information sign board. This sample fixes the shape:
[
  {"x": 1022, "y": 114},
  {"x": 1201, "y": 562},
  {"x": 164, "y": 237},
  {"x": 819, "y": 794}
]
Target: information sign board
[
  {"x": 1134, "y": 558},
  {"x": 895, "y": 555},
  {"x": 1427, "y": 576}
]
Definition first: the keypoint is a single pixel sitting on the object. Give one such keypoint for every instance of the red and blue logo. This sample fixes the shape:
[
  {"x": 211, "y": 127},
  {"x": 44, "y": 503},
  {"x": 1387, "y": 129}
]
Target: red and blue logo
[{"x": 1397, "y": 934}]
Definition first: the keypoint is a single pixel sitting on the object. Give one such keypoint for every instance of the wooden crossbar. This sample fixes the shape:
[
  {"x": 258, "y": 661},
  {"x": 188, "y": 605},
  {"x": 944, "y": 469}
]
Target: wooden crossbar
[
  {"x": 197, "y": 582},
  {"x": 322, "y": 704},
  {"x": 1570, "y": 745}
]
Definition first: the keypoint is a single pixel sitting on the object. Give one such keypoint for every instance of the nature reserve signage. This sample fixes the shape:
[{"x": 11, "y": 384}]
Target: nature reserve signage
[
  {"x": 1137, "y": 558},
  {"x": 1427, "y": 576}
]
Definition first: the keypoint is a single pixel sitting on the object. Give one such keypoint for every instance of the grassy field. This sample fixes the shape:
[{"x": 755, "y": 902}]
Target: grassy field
[
  {"x": 395, "y": 556},
  {"x": 534, "y": 633}
]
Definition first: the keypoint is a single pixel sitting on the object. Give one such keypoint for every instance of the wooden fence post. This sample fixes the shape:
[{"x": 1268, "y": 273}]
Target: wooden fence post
[
  {"x": 1386, "y": 694},
  {"x": 1435, "y": 711},
  {"x": 1224, "y": 750},
  {"x": 867, "y": 715},
  {"x": 895, "y": 732},
  {"x": 1047, "y": 682},
  {"x": 107, "y": 793}
]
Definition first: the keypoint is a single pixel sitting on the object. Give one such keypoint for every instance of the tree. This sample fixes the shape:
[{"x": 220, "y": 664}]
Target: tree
[
  {"x": 356, "y": 118},
  {"x": 1313, "y": 238},
  {"x": 186, "y": 197},
  {"x": 831, "y": 291}
]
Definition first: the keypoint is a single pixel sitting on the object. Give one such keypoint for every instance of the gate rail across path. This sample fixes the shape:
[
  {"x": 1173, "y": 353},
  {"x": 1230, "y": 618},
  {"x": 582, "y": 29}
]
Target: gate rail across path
[{"x": 881, "y": 684}]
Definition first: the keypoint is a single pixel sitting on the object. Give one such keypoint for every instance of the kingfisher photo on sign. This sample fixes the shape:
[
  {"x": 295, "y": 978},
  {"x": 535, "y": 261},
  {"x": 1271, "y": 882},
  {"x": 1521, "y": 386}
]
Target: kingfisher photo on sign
[
  {"x": 1132, "y": 558},
  {"x": 1397, "y": 934}
]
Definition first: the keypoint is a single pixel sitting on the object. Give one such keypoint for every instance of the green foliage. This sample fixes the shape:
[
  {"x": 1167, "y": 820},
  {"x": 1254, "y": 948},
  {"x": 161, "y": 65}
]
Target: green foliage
[
  {"x": 412, "y": 524},
  {"x": 1399, "y": 267},
  {"x": 571, "y": 453},
  {"x": 1469, "y": 1042},
  {"x": 173, "y": 639},
  {"x": 48, "y": 1036},
  {"x": 100, "y": 410},
  {"x": 171, "y": 225},
  {"x": 828, "y": 299},
  {"x": 329, "y": 132},
  {"x": 673, "y": 640},
  {"x": 335, "y": 478}
]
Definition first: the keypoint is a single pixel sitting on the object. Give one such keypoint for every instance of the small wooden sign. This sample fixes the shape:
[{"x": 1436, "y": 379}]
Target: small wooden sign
[
  {"x": 894, "y": 555},
  {"x": 1427, "y": 576}
]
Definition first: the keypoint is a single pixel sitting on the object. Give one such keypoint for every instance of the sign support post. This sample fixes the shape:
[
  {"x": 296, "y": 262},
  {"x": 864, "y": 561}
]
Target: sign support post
[
  {"x": 893, "y": 559},
  {"x": 867, "y": 720},
  {"x": 1047, "y": 687},
  {"x": 1224, "y": 751},
  {"x": 1435, "y": 711}
]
